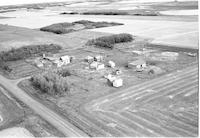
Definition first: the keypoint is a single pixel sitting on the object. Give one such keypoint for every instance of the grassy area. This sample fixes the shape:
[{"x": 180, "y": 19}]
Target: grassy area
[
  {"x": 109, "y": 41},
  {"x": 63, "y": 28}
]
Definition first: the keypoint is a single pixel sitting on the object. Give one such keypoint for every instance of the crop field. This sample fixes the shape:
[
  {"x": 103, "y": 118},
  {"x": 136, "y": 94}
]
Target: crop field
[
  {"x": 165, "y": 106},
  {"x": 15, "y": 37}
]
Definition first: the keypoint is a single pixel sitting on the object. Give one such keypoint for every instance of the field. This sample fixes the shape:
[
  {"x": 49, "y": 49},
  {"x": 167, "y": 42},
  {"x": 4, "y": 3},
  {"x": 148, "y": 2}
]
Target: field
[
  {"x": 15, "y": 37},
  {"x": 166, "y": 106},
  {"x": 87, "y": 85},
  {"x": 174, "y": 33},
  {"x": 16, "y": 116}
]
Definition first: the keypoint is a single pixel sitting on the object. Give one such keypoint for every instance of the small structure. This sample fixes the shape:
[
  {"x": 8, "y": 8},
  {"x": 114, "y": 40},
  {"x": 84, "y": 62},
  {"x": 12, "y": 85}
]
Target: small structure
[
  {"x": 111, "y": 64},
  {"x": 117, "y": 72},
  {"x": 89, "y": 59},
  {"x": 191, "y": 54},
  {"x": 65, "y": 59},
  {"x": 97, "y": 65},
  {"x": 110, "y": 77},
  {"x": 117, "y": 82},
  {"x": 98, "y": 58},
  {"x": 137, "y": 64}
]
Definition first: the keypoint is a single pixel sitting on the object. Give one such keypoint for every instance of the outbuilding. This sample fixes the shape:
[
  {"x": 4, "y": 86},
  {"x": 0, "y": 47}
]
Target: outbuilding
[
  {"x": 97, "y": 65},
  {"x": 140, "y": 63},
  {"x": 117, "y": 82},
  {"x": 98, "y": 58},
  {"x": 89, "y": 59}
]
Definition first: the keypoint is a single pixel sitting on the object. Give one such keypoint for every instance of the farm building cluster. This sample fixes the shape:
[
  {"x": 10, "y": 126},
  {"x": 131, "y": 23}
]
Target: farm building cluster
[
  {"x": 99, "y": 63},
  {"x": 47, "y": 61}
]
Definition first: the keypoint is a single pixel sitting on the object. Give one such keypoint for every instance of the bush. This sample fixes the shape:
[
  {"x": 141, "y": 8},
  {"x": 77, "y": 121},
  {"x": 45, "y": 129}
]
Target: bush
[
  {"x": 63, "y": 72},
  {"x": 51, "y": 83},
  {"x": 28, "y": 51},
  {"x": 5, "y": 67},
  {"x": 109, "y": 41}
]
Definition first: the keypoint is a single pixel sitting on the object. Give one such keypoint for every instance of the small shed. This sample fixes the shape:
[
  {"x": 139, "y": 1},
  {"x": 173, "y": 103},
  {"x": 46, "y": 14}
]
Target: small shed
[
  {"x": 117, "y": 82},
  {"x": 137, "y": 64}
]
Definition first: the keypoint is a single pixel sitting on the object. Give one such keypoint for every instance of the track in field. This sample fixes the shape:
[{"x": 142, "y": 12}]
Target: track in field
[{"x": 165, "y": 106}]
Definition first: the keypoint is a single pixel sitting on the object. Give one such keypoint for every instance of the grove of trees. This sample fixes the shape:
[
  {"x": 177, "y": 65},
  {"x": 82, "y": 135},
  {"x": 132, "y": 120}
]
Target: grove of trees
[{"x": 51, "y": 83}]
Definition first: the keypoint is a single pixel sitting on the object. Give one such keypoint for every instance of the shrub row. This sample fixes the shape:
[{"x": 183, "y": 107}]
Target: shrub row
[
  {"x": 28, "y": 51},
  {"x": 105, "y": 13},
  {"x": 51, "y": 83},
  {"x": 109, "y": 41},
  {"x": 59, "y": 28},
  {"x": 63, "y": 28}
]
